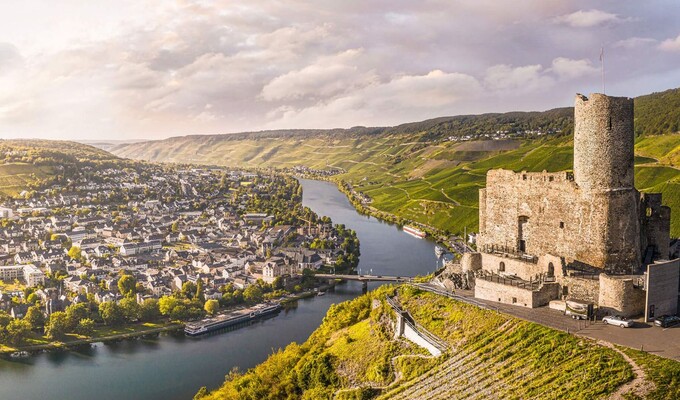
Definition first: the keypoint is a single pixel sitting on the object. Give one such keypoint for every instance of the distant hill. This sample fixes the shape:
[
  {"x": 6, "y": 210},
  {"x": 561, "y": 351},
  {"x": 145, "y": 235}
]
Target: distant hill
[
  {"x": 658, "y": 113},
  {"x": 30, "y": 164},
  {"x": 415, "y": 172}
]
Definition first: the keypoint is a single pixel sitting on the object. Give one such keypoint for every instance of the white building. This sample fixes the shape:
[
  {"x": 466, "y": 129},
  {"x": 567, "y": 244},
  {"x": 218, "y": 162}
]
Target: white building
[
  {"x": 6, "y": 212},
  {"x": 33, "y": 276},
  {"x": 29, "y": 273}
]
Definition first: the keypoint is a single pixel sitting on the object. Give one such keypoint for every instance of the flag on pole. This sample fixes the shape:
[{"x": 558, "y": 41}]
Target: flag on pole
[{"x": 601, "y": 53}]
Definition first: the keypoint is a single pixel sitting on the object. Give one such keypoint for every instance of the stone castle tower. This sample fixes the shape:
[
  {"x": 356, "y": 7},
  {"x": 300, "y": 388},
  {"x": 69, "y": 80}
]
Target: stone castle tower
[
  {"x": 603, "y": 143},
  {"x": 604, "y": 171}
]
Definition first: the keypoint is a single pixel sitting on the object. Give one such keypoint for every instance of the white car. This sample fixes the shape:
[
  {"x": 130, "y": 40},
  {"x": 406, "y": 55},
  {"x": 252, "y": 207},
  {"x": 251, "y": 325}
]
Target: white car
[{"x": 617, "y": 320}]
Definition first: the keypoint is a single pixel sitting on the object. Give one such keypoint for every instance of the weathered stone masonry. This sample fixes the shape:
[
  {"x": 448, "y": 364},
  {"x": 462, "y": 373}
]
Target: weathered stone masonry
[
  {"x": 554, "y": 226},
  {"x": 593, "y": 216}
]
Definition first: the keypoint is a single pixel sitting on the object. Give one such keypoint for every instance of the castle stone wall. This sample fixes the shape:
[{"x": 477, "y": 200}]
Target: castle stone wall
[
  {"x": 587, "y": 290},
  {"x": 594, "y": 216},
  {"x": 619, "y": 296},
  {"x": 494, "y": 291}
]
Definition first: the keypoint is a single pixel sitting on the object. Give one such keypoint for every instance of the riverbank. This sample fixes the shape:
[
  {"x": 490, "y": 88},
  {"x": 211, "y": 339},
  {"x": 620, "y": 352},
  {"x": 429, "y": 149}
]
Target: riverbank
[
  {"x": 362, "y": 207},
  {"x": 114, "y": 334}
]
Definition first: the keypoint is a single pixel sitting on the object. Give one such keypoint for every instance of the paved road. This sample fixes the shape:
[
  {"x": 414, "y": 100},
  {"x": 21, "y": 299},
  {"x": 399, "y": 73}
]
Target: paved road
[{"x": 653, "y": 339}]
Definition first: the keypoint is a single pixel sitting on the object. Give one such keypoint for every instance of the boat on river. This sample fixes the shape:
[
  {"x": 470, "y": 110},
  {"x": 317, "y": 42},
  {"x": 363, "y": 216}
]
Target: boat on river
[
  {"x": 230, "y": 319},
  {"x": 415, "y": 232}
]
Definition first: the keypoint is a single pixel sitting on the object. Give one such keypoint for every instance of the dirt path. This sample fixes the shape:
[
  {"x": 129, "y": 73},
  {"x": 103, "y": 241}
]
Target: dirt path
[{"x": 639, "y": 386}]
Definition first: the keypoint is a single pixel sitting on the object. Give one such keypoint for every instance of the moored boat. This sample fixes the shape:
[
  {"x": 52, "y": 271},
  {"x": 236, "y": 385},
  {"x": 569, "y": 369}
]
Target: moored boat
[
  {"x": 226, "y": 320},
  {"x": 414, "y": 231}
]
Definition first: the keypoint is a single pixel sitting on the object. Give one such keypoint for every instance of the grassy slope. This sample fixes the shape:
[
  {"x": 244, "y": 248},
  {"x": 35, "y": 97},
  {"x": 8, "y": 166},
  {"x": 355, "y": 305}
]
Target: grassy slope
[{"x": 491, "y": 355}]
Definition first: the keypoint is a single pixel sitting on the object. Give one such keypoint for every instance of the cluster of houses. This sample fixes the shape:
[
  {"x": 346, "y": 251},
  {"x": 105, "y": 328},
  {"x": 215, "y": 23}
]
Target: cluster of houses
[
  {"x": 163, "y": 226},
  {"x": 501, "y": 135}
]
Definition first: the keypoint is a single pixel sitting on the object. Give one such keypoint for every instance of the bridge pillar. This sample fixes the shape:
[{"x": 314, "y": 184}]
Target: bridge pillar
[{"x": 364, "y": 286}]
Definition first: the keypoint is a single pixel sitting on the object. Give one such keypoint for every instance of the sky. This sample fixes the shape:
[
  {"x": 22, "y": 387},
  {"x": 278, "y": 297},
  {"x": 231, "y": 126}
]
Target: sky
[{"x": 138, "y": 69}]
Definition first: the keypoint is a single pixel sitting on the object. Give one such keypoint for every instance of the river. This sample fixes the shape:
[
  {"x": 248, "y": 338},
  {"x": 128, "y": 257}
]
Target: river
[{"x": 173, "y": 366}]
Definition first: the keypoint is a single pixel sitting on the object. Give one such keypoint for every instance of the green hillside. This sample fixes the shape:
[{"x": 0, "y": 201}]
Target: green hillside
[
  {"x": 491, "y": 355},
  {"x": 26, "y": 165},
  {"x": 415, "y": 173}
]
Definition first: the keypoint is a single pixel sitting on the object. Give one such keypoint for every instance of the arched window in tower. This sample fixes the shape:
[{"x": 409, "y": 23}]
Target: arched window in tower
[
  {"x": 501, "y": 267},
  {"x": 551, "y": 270}
]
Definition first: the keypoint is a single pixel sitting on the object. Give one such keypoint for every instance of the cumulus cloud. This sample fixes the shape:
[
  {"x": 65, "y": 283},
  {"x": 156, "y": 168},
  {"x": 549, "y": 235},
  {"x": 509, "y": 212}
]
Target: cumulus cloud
[
  {"x": 327, "y": 77},
  {"x": 588, "y": 18},
  {"x": 148, "y": 69},
  {"x": 385, "y": 103},
  {"x": 527, "y": 78},
  {"x": 634, "y": 42},
  {"x": 672, "y": 44},
  {"x": 566, "y": 68}
]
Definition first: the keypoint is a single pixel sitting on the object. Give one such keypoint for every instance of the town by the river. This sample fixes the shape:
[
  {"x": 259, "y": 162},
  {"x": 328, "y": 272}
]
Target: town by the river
[{"x": 173, "y": 366}]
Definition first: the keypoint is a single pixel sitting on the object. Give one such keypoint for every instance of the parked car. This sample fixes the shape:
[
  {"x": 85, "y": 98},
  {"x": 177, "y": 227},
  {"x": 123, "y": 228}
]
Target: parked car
[
  {"x": 617, "y": 320},
  {"x": 665, "y": 321}
]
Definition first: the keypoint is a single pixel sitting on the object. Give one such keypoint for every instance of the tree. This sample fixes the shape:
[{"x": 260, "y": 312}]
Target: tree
[
  {"x": 76, "y": 312},
  {"x": 131, "y": 309},
  {"x": 188, "y": 290},
  {"x": 75, "y": 253},
  {"x": 34, "y": 317},
  {"x": 166, "y": 304},
  {"x": 32, "y": 298},
  {"x": 57, "y": 325},
  {"x": 85, "y": 327},
  {"x": 211, "y": 306},
  {"x": 111, "y": 313},
  {"x": 148, "y": 311},
  {"x": 179, "y": 312},
  {"x": 127, "y": 285},
  {"x": 252, "y": 294},
  {"x": 17, "y": 329},
  {"x": 199, "y": 290}
]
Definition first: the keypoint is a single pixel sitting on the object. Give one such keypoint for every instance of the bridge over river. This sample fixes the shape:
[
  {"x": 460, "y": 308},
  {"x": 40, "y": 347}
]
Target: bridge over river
[{"x": 364, "y": 279}]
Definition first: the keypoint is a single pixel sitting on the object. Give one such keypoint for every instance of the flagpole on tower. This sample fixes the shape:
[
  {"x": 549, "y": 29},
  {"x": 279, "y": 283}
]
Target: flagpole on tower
[{"x": 602, "y": 64}]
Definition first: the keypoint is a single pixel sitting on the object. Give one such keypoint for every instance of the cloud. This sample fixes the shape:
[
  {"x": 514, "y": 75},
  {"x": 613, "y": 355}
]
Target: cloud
[
  {"x": 671, "y": 45},
  {"x": 9, "y": 57},
  {"x": 588, "y": 19},
  {"x": 154, "y": 69},
  {"x": 527, "y": 78},
  {"x": 327, "y": 77},
  {"x": 566, "y": 68},
  {"x": 385, "y": 103},
  {"x": 634, "y": 42}
]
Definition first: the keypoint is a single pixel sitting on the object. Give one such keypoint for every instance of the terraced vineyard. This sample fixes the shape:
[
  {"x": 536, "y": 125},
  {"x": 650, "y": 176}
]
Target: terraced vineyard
[
  {"x": 16, "y": 177},
  {"x": 352, "y": 355}
]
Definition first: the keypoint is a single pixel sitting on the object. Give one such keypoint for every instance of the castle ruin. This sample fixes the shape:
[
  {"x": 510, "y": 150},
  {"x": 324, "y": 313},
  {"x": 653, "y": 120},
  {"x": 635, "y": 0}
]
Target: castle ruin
[{"x": 587, "y": 235}]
